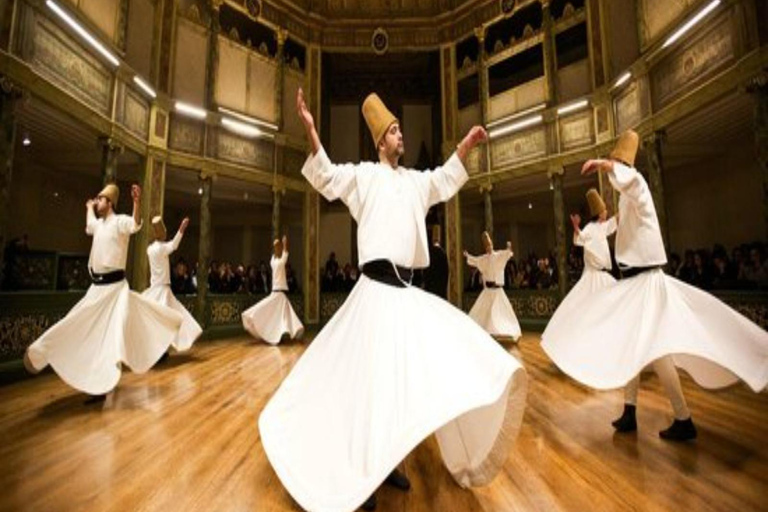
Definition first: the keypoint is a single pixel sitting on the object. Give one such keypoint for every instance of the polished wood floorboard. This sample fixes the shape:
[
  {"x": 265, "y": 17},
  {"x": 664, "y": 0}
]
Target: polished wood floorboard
[{"x": 183, "y": 437}]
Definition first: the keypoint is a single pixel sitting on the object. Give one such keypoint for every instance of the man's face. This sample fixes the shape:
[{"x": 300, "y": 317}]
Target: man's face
[
  {"x": 103, "y": 206},
  {"x": 603, "y": 215},
  {"x": 392, "y": 142}
]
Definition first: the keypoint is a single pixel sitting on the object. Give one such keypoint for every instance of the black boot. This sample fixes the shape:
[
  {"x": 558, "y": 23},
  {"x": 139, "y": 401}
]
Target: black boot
[
  {"x": 370, "y": 503},
  {"x": 680, "y": 430},
  {"x": 398, "y": 479},
  {"x": 627, "y": 422},
  {"x": 95, "y": 399}
]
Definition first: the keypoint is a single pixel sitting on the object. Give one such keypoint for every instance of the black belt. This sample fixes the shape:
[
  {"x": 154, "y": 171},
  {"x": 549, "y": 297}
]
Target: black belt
[
  {"x": 492, "y": 284},
  {"x": 281, "y": 291},
  {"x": 110, "y": 277},
  {"x": 626, "y": 273},
  {"x": 383, "y": 271}
]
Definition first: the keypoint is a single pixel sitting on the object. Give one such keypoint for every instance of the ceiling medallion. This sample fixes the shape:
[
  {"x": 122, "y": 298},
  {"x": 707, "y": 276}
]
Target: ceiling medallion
[
  {"x": 507, "y": 6},
  {"x": 380, "y": 41},
  {"x": 254, "y": 7}
]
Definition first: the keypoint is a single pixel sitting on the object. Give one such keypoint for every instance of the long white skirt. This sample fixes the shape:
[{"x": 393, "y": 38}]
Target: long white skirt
[
  {"x": 109, "y": 326},
  {"x": 190, "y": 329},
  {"x": 559, "y": 328},
  {"x": 391, "y": 367},
  {"x": 272, "y": 317},
  {"x": 493, "y": 312},
  {"x": 623, "y": 328}
]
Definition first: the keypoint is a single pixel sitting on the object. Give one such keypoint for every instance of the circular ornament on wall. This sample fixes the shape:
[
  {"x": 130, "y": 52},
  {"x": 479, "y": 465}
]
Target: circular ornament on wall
[{"x": 380, "y": 41}]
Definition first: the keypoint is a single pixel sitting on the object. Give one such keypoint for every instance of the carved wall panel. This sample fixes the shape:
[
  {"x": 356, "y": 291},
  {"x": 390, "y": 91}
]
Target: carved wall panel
[
  {"x": 712, "y": 50},
  {"x": 577, "y": 130},
  {"x": 655, "y": 17},
  {"x": 258, "y": 153},
  {"x": 186, "y": 135},
  {"x": 514, "y": 100},
  {"x": 291, "y": 123},
  {"x": 629, "y": 109},
  {"x": 293, "y": 161},
  {"x": 262, "y": 77},
  {"x": 231, "y": 75},
  {"x": 104, "y": 14},
  {"x": 518, "y": 147},
  {"x": 63, "y": 61},
  {"x": 133, "y": 112},
  {"x": 189, "y": 65}
]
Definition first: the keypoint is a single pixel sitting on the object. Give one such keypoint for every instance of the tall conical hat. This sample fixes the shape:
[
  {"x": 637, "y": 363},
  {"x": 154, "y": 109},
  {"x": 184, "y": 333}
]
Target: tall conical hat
[
  {"x": 158, "y": 226},
  {"x": 626, "y": 148},
  {"x": 111, "y": 192},
  {"x": 596, "y": 203},
  {"x": 377, "y": 117}
]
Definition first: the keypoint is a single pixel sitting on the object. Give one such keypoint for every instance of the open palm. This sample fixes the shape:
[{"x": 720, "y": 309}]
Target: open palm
[{"x": 301, "y": 107}]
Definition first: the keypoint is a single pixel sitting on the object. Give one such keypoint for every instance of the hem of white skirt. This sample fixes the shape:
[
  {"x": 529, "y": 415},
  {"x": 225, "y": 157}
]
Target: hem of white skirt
[{"x": 479, "y": 476}]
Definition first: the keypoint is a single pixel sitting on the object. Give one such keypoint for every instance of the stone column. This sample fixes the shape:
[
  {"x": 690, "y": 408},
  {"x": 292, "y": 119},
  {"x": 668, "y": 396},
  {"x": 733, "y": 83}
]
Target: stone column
[
  {"x": 453, "y": 248},
  {"x": 653, "y": 151},
  {"x": 8, "y": 100},
  {"x": 550, "y": 57},
  {"x": 282, "y": 35},
  {"x": 152, "y": 201},
  {"x": 488, "y": 207},
  {"x": 482, "y": 74},
  {"x": 204, "y": 258},
  {"x": 312, "y": 201},
  {"x": 277, "y": 195},
  {"x": 556, "y": 175},
  {"x": 212, "y": 62},
  {"x": 110, "y": 152}
]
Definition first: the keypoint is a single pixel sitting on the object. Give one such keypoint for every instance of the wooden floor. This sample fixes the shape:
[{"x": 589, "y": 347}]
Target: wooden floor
[{"x": 184, "y": 438}]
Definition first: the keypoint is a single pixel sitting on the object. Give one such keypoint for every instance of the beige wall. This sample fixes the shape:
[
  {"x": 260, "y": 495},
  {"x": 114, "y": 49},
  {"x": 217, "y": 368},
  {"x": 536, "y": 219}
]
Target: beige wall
[
  {"x": 716, "y": 201},
  {"x": 336, "y": 236}
]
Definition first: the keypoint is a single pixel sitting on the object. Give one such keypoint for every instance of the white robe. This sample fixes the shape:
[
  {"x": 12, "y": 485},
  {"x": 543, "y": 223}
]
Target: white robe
[
  {"x": 594, "y": 277},
  {"x": 492, "y": 309},
  {"x": 393, "y": 365},
  {"x": 160, "y": 290},
  {"x": 623, "y": 328},
  {"x": 274, "y": 316},
  {"x": 110, "y": 325}
]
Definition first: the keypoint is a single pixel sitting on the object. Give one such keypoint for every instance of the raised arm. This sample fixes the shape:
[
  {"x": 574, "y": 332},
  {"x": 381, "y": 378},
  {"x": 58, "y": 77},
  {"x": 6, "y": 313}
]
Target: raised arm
[
  {"x": 90, "y": 217},
  {"x": 445, "y": 181},
  {"x": 136, "y": 196},
  {"x": 176, "y": 241},
  {"x": 471, "y": 260},
  {"x": 284, "y": 256},
  {"x": 332, "y": 181},
  {"x": 611, "y": 225},
  {"x": 579, "y": 237},
  {"x": 626, "y": 180}
]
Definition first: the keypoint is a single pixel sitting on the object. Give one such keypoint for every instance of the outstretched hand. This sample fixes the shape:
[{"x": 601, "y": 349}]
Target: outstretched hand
[
  {"x": 135, "y": 193},
  {"x": 184, "y": 224},
  {"x": 465, "y": 253},
  {"x": 595, "y": 165},
  {"x": 304, "y": 114},
  {"x": 575, "y": 220}
]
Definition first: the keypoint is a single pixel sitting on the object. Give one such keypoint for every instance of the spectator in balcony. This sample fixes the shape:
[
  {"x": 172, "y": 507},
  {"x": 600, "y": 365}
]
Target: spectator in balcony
[
  {"x": 701, "y": 276},
  {"x": 263, "y": 279},
  {"x": 181, "y": 280},
  {"x": 755, "y": 270},
  {"x": 273, "y": 316},
  {"x": 111, "y": 325}
]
